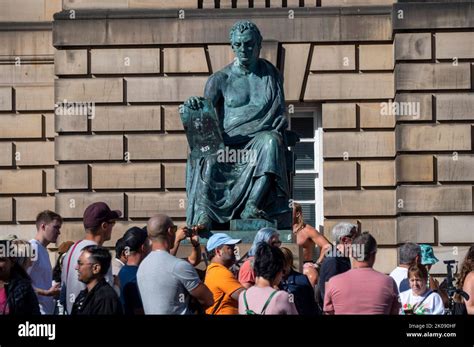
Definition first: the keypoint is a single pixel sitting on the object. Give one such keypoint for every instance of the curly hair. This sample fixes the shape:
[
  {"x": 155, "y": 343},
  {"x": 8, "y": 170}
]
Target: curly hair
[
  {"x": 466, "y": 267},
  {"x": 244, "y": 25}
]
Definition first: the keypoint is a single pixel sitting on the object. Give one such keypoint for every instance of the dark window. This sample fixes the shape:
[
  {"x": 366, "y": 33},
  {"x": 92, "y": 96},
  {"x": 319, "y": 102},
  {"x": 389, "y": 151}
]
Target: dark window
[
  {"x": 303, "y": 126},
  {"x": 303, "y": 186},
  {"x": 304, "y": 155}
]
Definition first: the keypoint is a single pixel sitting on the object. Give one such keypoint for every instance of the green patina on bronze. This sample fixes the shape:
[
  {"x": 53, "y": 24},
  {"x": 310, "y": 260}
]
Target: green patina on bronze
[{"x": 237, "y": 134}]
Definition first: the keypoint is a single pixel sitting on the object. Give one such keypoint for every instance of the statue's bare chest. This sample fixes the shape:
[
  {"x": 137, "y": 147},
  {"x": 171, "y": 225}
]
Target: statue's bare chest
[{"x": 243, "y": 90}]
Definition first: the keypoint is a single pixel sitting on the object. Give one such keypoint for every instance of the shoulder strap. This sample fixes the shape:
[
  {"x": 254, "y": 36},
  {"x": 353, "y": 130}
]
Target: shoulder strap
[
  {"x": 422, "y": 301},
  {"x": 218, "y": 304},
  {"x": 268, "y": 302},
  {"x": 245, "y": 301},
  {"x": 7, "y": 297},
  {"x": 69, "y": 259},
  {"x": 426, "y": 297}
]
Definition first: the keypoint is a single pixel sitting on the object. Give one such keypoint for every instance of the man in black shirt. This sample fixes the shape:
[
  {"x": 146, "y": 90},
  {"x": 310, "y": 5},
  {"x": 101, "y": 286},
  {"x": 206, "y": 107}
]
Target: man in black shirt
[
  {"x": 337, "y": 261},
  {"x": 99, "y": 298}
]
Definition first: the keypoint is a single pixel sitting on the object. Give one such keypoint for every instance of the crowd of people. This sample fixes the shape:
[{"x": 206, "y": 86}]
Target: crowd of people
[{"x": 146, "y": 276}]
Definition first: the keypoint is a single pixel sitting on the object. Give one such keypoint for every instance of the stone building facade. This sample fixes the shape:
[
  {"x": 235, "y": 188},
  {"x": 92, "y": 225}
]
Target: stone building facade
[{"x": 381, "y": 91}]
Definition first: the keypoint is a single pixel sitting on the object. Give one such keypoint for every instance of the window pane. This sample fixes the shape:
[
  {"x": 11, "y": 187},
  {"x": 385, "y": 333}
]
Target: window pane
[
  {"x": 309, "y": 214},
  {"x": 303, "y": 126},
  {"x": 304, "y": 155},
  {"x": 303, "y": 186}
]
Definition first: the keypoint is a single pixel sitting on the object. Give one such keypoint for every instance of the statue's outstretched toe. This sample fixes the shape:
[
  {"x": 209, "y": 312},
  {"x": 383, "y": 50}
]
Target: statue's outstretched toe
[
  {"x": 204, "y": 223},
  {"x": 252, "y": 212}
]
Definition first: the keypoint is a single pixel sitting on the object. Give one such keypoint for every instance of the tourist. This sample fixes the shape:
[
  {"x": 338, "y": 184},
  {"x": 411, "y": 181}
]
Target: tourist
[
  {"x": 337, "y": 260},
  {"x": 219, "y": 279},
  {"x": 246, "y": 272},
  {"x": 465, "y": 281},
  {"x": 308, "y": 237},
  {"x": 99, "y": 297},
  {"x": 57, "y": 273},
  {"x": 263, "y": 298},
  {"x": 137, "y": 246},
  {"x": 298, "y": 286},
  {"x": 420, "y": 300},
  {"x": 165, "y": 282},
  {"x": 409, "y": 254},
  {"x": 98, "y": 222},
  {"x": 428, "y": 259},
  {"x": 17, "y": 296},
  {"x": 118, "y": 262},
  {"x": 48, "y": 225},
  {"x": 62, "y": 250},
  {"x": 362, "y": 290}
]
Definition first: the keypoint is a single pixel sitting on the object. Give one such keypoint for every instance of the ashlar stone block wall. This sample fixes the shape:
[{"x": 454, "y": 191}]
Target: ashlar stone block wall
[
  {"x": 27, "y": 134},
  {"x": 434, "y": 52}
]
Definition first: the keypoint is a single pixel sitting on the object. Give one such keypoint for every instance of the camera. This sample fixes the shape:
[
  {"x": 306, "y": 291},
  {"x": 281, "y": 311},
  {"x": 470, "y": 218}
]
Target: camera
[{"x": 188, "y": 230}]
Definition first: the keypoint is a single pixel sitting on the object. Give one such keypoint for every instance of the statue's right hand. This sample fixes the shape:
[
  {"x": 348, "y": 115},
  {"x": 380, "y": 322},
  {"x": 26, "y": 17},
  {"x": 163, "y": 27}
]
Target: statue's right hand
[{"x": 194, "y": 102}]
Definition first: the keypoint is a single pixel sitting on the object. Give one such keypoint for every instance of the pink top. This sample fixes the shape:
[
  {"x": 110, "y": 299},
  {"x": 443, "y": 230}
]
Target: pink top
[
  {"x": 246, "y": 273},
  {"x": 3, "y": 302},
  {"x": 281, "y": 302},
  {"x": 361, "y": 291}
]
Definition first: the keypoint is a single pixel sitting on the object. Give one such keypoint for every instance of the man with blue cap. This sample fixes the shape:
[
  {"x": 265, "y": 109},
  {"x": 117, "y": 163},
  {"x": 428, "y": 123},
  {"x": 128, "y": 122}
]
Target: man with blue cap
[{"x": 219, "y": 279}]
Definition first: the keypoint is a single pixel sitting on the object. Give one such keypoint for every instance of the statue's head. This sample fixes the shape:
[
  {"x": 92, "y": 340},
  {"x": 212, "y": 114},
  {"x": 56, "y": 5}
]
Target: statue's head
[{"x": 246, "y": 42}]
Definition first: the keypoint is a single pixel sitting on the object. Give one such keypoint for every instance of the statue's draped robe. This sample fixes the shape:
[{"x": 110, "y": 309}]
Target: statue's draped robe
[{"x": 221, "y": 189}]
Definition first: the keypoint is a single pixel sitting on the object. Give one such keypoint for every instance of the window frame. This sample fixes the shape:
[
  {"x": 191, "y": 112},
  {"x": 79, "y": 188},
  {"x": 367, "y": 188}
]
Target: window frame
[{"x": 314, "y": 112}]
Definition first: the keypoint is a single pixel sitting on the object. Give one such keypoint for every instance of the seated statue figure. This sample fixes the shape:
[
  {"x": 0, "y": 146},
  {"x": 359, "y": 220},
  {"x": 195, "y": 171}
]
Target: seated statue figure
[{"x": 249, "y": 104}]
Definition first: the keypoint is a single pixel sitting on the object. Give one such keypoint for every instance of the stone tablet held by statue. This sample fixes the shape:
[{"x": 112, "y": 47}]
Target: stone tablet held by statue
[{"x": 202, "y": 130}]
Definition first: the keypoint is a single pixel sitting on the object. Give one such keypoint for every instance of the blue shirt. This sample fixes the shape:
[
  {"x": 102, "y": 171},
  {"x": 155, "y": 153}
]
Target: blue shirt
[
  {"x": 302, "y": 292},
  {"x": 129, "y": 294},
  {"x": 332, "y": 265}
]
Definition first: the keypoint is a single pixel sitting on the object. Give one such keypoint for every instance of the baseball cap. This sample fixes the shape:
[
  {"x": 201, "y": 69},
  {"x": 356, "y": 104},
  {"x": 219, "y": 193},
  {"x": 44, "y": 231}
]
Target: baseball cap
[
  {"x": 97, "y": 213},
  {"x": 427, "y": 255},
  {"x": 220, "y": 239},
  {"x": 134, "y": 238}
]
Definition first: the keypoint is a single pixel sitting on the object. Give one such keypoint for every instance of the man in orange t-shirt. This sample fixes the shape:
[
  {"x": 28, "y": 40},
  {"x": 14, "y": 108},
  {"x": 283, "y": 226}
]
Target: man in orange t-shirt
[{"x": 219, "y": 279}]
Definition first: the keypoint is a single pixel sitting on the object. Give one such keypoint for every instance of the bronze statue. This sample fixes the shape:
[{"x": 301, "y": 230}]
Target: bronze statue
[{"x": 237, "y": 166}]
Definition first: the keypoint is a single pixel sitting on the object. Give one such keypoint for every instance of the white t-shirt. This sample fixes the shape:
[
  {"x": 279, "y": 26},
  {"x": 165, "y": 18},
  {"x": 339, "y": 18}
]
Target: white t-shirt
[
  {"x": 433, "y": 303},
  {"x": 41, "y": 274},
  {"x": 70, "y": 278},
  {"x": 399, "y": 274}
]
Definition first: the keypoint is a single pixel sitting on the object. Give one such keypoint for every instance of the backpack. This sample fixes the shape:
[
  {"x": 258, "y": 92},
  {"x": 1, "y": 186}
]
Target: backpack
[{"x": 251, "y": 312}]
